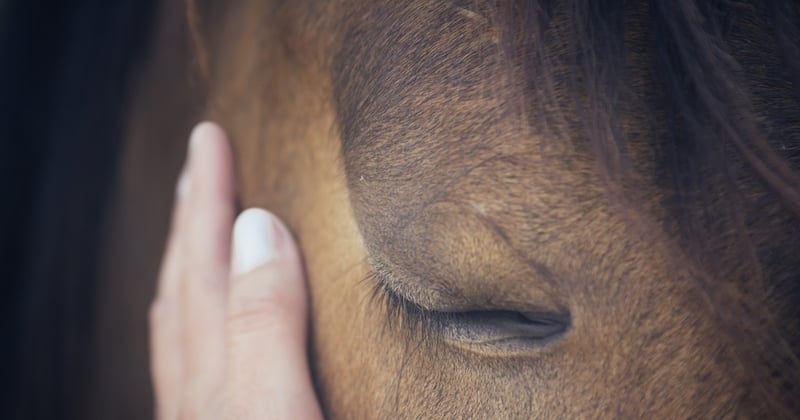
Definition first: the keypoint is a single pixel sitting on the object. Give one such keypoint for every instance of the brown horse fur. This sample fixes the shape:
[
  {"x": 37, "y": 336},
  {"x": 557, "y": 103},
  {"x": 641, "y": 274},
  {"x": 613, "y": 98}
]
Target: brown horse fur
[{"x": 630, "y": 167}]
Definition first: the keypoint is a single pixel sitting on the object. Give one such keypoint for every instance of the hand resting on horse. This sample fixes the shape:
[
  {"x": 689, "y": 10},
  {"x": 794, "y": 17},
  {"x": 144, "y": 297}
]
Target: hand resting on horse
[{"x": 228, "y": 325}]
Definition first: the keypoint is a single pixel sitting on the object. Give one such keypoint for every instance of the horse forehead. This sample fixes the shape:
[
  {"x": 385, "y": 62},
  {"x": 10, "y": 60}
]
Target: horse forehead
[{"x": 428, "y": 112}]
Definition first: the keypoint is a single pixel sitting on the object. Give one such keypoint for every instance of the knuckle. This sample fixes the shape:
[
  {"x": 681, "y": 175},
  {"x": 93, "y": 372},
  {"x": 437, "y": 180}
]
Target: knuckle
[{"x": 266, "y": 312}]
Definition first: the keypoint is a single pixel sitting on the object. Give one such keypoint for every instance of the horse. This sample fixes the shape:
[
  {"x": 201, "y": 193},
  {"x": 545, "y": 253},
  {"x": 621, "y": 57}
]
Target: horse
[{"x": 508, "y": 209}]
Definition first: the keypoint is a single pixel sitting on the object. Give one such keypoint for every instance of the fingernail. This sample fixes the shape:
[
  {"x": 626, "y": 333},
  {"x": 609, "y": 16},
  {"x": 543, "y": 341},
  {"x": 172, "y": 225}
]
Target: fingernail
[{"x": 256, "y": 240}]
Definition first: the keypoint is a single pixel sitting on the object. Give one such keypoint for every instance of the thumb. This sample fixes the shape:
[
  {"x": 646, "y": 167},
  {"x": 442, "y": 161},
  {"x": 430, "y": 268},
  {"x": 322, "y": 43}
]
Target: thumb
[{"x": 267, "y": 369}]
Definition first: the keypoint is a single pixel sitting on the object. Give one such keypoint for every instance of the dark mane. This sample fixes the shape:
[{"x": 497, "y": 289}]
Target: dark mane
[{"x": 724, "y": 105}]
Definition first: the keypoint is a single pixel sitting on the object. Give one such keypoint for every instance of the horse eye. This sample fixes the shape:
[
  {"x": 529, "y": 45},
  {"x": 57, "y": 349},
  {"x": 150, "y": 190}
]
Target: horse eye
[{"x": 504, "y": 327}]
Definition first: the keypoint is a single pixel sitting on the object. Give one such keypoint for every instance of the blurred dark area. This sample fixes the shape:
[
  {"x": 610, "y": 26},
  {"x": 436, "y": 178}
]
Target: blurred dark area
[{"x": 64, "y": 72}]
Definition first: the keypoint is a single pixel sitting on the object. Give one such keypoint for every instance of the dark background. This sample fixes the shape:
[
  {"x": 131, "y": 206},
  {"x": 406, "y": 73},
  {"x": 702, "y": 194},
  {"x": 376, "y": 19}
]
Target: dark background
[{"x": 64, "y": 69}]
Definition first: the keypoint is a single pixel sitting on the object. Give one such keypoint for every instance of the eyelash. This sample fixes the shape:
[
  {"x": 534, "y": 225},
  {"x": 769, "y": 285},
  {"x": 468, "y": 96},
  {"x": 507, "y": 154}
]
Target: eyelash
[{"x": 401, "y": 313}]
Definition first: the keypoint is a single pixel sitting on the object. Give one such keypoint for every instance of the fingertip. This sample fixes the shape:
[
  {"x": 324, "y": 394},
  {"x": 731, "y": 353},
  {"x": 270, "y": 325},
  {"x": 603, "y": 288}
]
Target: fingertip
[
  {"x": 208, "y": 146},
  {"x": 211, "y": 190},
  {"x": 204, "y": 130}
]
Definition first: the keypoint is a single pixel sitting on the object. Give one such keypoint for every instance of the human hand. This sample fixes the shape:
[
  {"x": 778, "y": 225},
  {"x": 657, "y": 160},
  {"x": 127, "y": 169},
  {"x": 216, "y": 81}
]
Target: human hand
[{"x": 228, "y": 325}]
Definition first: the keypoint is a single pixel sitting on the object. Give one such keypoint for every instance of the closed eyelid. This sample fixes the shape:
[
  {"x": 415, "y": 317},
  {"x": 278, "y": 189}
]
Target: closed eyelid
[
  {"x": 486, "y": 330},
  {"x": 445, "y": 304},
  {"x": 438, "y": 295},
  {"x": 454, "y": 254}
]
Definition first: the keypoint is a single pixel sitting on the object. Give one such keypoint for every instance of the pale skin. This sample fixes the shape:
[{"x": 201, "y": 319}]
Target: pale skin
[{"x": 228, "y": 326}]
